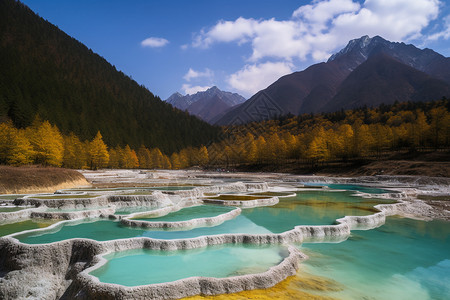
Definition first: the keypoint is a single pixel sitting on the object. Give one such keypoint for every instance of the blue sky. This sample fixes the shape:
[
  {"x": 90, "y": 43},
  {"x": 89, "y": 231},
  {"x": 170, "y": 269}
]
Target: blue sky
[{"x": 238, "y": 45}]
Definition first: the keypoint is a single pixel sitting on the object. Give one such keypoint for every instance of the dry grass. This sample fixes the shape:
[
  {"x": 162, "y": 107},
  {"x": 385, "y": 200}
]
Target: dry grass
[{"x": 28, "y": 179}]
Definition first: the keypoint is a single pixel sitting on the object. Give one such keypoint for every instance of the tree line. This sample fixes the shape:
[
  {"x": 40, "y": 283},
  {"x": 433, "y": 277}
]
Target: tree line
[
  {"x": 316, "y": 138},
  {"x": 43, "y": 143},
  {"x": 340, "y": 135}
]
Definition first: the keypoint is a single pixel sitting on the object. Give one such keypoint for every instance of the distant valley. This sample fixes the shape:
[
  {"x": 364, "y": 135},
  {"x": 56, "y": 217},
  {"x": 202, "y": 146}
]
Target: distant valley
[{"x": 209, "y": 105}]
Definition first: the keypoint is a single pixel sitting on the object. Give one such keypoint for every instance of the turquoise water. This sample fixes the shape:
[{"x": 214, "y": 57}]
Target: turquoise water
[
  {"x": 307, "y": 208},
  {"x": 188, "y": 213},
  {"x": 50, "y": 209},
  {"x": 403, "y": 259},
  {"x": 351, "y": 187},
  {"x": 104, "y": 230},
  {"x": 133, "y": 209},
  {"x": 143, "y": 266}
]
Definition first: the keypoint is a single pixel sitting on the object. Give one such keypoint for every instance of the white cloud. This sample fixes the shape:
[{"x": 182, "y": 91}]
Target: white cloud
[
  {"x": 444, "y": 33},
  {"x": 189, "y": 89},
  {"x": 154, "y": 42},
  {"x": 318, "y": 29},
  {"x": 255, "y": 77},
  {"x": 192, "y": 74}
]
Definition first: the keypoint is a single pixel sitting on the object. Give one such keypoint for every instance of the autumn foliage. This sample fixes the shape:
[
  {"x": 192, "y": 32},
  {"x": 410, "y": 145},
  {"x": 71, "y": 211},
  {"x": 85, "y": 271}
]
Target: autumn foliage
[{"x": 338, "y": 136}]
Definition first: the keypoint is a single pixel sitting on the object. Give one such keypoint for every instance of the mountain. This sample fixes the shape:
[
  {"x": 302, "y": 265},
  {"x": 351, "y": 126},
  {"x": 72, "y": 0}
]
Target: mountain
[
  {"x": 426, "y": 60},
  {"x": 208, "y": 105},
  {"x": 381, "y": 77},
  {"x": 351, "y": 79},
  {"x": 45, "y": 72}
]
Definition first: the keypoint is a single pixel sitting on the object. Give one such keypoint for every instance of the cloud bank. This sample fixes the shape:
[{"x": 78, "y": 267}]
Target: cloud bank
[{"x": 314, "y": 32}]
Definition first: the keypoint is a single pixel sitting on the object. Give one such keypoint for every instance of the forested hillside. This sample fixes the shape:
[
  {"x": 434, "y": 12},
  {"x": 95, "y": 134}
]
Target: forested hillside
[
  {"x": 45, "y": 72},
  {"x": 343, "y": 135}
]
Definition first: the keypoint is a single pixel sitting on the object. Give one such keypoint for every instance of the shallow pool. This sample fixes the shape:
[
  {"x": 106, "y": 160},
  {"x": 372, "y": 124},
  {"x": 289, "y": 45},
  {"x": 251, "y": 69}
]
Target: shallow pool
[
  {"x": 351, "y": 187},
  {"x": 126, "y": 210},
  {"x": 306, "y": 208},
  {"x": 188, "y": 213},
  {"x": 144, "y": 266},
  {"x": 12, "y": 208},
  {"x": 6, "y": 229}
]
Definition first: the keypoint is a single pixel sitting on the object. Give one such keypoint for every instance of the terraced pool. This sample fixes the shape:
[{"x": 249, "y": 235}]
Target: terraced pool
[{"x": 402, "y": 259}]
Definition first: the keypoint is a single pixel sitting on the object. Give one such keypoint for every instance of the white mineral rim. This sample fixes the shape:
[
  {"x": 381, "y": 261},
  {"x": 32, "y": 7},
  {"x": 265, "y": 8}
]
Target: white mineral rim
[{"x": 61, "y": 269}]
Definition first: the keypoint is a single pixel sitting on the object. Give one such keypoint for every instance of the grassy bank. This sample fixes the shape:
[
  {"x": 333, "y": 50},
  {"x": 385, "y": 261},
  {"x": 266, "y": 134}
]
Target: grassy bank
[{"x": 28, "y": 179}]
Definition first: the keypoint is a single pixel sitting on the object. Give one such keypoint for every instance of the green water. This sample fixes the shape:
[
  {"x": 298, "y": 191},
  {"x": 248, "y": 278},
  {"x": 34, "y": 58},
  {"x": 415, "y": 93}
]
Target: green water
[
  {"x": 403, "y": 259},
  {"x": 11, "y": 197},
  {"x": 188, "y": 213},
  {"x": 307, "y": 208},
  {"x": 11, "y": 209},
  {"x": 6, "y": 229},
  {"x": 311, "y": 208},
  {"x": 143, "y": 266}
]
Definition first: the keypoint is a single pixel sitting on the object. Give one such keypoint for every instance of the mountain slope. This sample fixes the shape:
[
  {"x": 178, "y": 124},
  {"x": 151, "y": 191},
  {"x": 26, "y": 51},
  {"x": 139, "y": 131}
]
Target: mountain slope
[
  {"x": 318, "y": 88},
  {"x": 207, "y": 105},
  {"x": 359, "y": 50},
  {"x": 45, "y": 72},
  {"x": 382, "y": 79}
]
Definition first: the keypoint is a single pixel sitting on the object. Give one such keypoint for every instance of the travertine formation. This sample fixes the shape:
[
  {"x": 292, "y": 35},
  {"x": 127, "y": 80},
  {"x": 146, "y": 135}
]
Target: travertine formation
[{"x": 61, "y": 270}]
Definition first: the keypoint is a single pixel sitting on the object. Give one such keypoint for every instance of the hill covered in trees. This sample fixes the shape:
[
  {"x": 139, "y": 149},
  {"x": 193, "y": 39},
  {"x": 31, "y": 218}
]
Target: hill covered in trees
[
  {"x": 311, "y": 139},
  {"x": 46, "y": 73},
  {"x": 340, "y": 136}
]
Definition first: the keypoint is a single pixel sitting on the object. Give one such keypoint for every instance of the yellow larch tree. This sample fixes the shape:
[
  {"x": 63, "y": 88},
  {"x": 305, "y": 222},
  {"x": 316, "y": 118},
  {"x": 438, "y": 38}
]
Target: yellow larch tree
[
  {"x": 175, "y": 161},
  {"x": 158, "y": 160},
  {"x": 129, "y": 158},
  {"x": 22, "y": 151},
  {"x": 114, "y": 157},
  {"x": 145, "y": 158},
  {"x": 166, "y": 162},
  {"x": 47, "y": 142},
  {"x": 317, "y": 149},
  {"x": 202, "y": 156},
  {"x": 75, "y": 155},
  {"x": 418, "y": 130},
  {"x": 98, "y": 152}
]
